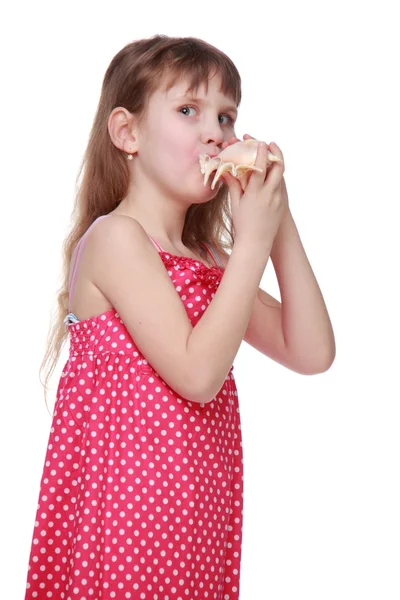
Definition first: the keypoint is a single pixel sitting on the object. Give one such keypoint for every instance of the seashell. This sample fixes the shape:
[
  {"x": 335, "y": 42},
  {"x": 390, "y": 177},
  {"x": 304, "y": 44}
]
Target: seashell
[{"x": 239, "y": 159}]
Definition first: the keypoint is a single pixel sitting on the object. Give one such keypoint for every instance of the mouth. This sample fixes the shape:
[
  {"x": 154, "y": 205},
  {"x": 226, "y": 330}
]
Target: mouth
[{"x": 210, "y": 154}]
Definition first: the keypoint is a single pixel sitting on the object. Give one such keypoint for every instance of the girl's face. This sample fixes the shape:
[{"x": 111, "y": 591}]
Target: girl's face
[{"x": 176, "y": 130}]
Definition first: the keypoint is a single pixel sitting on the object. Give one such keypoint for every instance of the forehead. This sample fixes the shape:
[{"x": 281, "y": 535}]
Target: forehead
[{"x": 183, "y": 86}]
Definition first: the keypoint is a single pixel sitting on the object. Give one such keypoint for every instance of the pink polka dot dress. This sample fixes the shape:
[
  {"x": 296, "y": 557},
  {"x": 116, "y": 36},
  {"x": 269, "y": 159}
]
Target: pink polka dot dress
[{"x": 141, "y": 495}]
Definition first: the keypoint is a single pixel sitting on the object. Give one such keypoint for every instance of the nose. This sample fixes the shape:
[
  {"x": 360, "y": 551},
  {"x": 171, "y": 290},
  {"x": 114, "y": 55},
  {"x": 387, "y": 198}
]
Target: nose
[{"x": 212, "y": 134}]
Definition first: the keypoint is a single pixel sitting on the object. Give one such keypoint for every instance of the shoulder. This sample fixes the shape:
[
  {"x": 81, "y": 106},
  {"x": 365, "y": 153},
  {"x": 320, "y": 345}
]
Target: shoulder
[
  {"x": 117, "y": 225},
  {"x": 113, "y": 239}
]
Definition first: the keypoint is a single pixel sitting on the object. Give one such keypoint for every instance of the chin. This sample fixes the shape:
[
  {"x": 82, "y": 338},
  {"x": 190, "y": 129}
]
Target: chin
[
  {"x": 203, "y": 193},
  {"x": 209, "y": 192}
]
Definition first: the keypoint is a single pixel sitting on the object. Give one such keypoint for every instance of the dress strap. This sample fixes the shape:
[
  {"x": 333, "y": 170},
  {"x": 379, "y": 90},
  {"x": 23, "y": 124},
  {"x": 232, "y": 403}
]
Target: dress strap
[
  {"x": 213, "y": 253},
  {"x": 210, "y": 249},
  {"x": 78, "y": 250},
  {"x": 157, "y": 245}
]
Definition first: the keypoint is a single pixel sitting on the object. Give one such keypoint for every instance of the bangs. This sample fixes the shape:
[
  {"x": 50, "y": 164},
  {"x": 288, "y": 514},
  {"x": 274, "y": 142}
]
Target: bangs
[{"x": 198, "y": 69}]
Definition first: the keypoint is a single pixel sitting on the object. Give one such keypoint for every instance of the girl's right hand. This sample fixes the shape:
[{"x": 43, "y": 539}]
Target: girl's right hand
[{"x": 257, "y": 212}]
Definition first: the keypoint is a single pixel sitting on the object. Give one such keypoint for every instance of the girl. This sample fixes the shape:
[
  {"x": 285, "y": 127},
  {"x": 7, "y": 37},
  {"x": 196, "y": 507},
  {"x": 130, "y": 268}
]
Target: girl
[{"x": 141, "y": 493}]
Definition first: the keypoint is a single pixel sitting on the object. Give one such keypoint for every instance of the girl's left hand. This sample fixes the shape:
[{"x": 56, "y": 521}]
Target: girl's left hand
[{"x": 270, "y": 147}]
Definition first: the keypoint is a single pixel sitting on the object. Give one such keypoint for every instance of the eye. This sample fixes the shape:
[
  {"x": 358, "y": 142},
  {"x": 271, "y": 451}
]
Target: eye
[
  {"x": 230, "y": 120},
  {"x": 187, "y": 108}
]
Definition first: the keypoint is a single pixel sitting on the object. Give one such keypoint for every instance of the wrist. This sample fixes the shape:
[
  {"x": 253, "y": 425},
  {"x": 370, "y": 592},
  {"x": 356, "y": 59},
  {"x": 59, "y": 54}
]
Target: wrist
[{"x": 251, "y": 244}]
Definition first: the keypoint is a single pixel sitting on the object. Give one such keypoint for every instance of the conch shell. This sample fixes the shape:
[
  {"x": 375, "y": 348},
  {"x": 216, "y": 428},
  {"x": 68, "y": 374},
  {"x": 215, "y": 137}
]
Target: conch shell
[{"x": 239, "y": 159}]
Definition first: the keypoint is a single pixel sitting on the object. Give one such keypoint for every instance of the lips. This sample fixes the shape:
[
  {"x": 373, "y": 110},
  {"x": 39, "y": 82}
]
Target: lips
[{"x": 211, "y": 154}]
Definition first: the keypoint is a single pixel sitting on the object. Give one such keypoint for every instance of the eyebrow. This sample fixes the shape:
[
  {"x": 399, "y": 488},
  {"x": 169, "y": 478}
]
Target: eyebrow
[{"x": 191, "y": 98}]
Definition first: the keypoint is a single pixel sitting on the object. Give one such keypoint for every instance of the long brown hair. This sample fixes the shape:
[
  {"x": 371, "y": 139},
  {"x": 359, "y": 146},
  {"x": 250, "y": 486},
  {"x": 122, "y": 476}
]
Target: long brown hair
[{"x": 133, "y": 75}]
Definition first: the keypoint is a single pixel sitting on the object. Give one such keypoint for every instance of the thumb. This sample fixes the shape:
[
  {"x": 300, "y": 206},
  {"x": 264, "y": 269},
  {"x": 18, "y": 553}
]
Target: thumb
[{"x": 234, "y": 187}]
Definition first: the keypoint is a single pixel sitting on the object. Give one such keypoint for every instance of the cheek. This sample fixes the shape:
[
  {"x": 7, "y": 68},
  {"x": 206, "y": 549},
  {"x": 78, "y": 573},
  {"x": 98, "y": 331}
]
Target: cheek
[
  {"x": 170, "y": 148},
  {"x": 179, "y": 154},
  {"x": 170, "y": 163},
  {"x": 167, "y": 140}
]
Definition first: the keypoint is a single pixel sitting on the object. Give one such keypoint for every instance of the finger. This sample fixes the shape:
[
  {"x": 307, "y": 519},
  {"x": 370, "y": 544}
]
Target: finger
[
  {"x": 229, "y": 142},
  {"x": 233, "y": 184},
  {"x": 276, "y": 150},
  {"x": 258, "y": 177},
  {"x": 275, "y": 170},
  {"x": 249, "y": 137}
]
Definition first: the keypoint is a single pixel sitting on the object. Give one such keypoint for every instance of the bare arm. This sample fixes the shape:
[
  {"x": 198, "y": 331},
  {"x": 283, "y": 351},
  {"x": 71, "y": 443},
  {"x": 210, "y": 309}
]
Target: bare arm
[
  {"x": 194, "y": 361},
  {"x": 215, "y": 340}
]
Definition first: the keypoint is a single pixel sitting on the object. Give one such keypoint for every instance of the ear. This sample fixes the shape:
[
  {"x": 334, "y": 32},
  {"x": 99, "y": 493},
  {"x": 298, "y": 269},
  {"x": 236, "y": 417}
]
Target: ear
[{"x": 122, "y": 130}]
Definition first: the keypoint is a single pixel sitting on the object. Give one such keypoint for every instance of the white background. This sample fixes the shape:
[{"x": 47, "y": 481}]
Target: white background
[{"x": 322, "y": 493}]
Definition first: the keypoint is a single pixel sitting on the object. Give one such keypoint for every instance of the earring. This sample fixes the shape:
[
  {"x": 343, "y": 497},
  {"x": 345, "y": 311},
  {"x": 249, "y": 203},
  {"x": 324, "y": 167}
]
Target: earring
[{"x": 129, "y": 157}]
